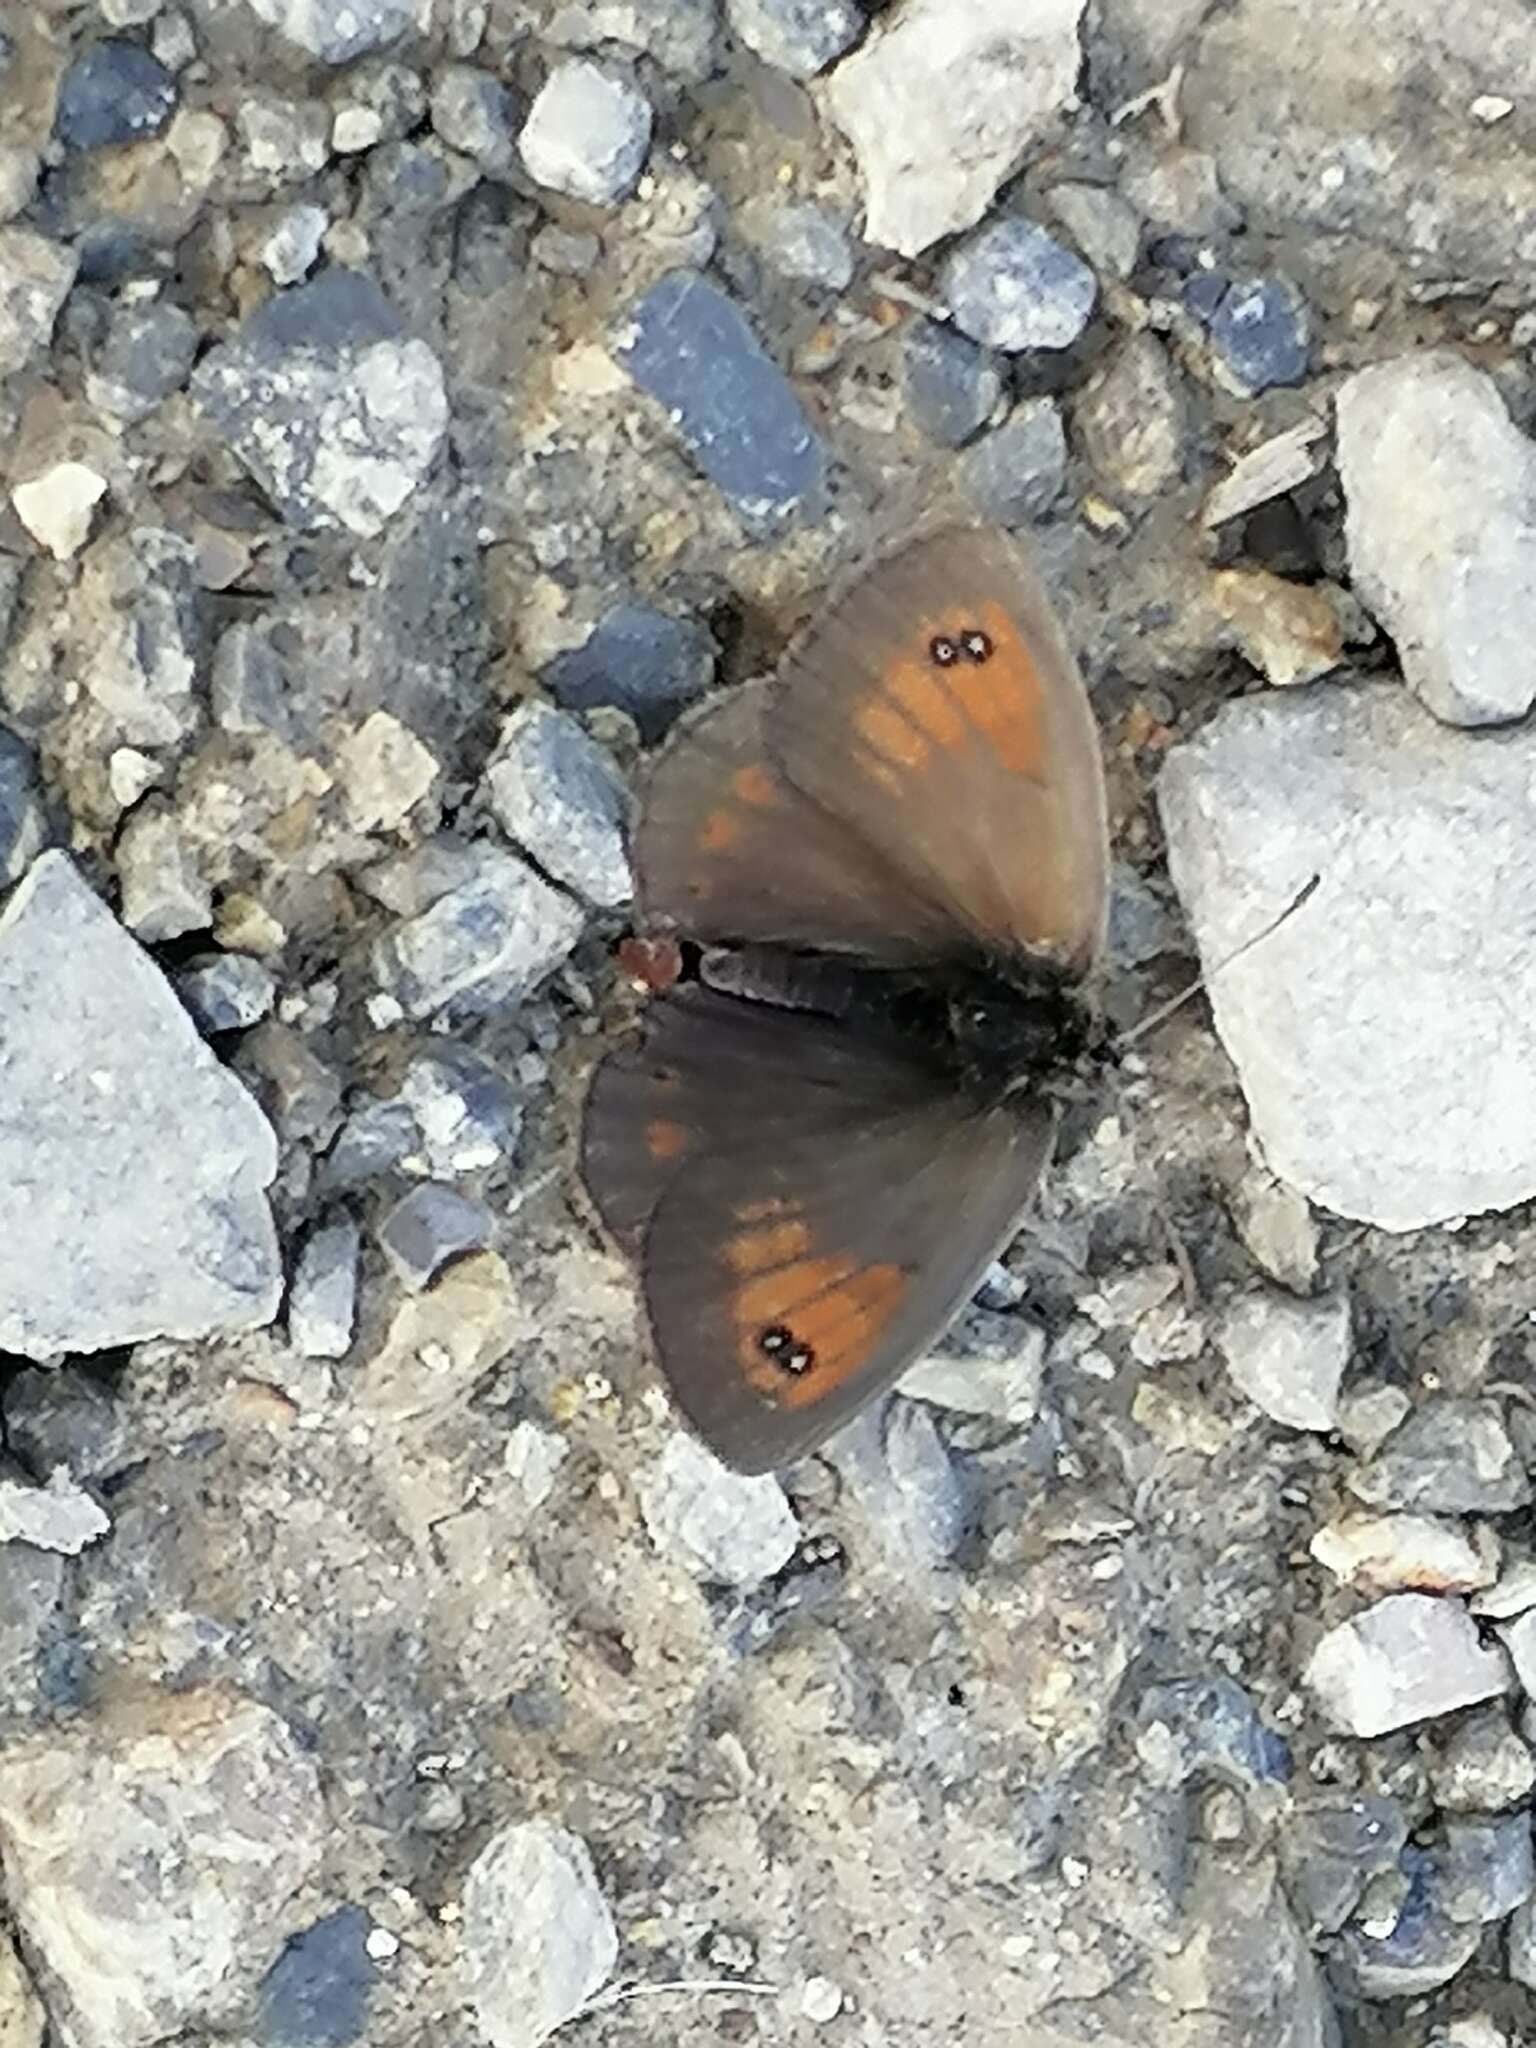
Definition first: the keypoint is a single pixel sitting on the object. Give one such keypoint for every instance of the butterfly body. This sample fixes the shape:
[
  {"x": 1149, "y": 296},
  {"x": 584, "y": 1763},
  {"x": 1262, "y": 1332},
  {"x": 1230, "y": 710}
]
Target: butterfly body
[{"x": 887, "y": 870}]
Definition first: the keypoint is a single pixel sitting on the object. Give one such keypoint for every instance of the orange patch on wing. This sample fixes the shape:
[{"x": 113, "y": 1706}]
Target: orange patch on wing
[
  {"x": 891, "y": 735},
  {"x": 1002, "y": 695},
  {"x": 719, "y": 830},
  {"x": 754, "y": 785},
  {"x": 837, "y": 1310},
  {"x": 774, "y": 1244},
  {"x": 665, "y": 1139},
  {"x": 923, "y": 697}
]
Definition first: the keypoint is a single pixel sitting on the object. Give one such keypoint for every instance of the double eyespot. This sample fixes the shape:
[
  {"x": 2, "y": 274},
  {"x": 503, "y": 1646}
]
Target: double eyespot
[
  {"x": 784, "y": 1348},
  {"x": 971, "y": 644}
]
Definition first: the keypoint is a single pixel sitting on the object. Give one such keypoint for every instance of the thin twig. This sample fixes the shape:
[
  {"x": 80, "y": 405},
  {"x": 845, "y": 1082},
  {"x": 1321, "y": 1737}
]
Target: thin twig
[{"x": 621, "y": 1994}]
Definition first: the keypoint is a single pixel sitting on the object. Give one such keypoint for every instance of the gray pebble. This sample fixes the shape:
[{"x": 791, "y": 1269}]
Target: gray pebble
[
  {"x": 148, "y": 354},
  {"x": 1288, "y": 1356},
  {"x": 896, "y": 1465},
  {"x": 1261, "y": 334},
  {"x": 1422, "y": 1950},
  {"x": 1333, "y": 1846},
  {"x": 1486, "y": 1867},
  {"x": 428, "y": 1229},
  {"x": 134, "y": 1206},
  {"x": 538, "y": 1938},
  {"x": 249, "y": 689},
  {"x": 375, "y": 1141},
  {"x": 322, "y": 1301},
  {"x": 336, "y": 415},
  {"x": 24, "y": 826},
  {"x": 689, "y": 347},
  {"x": 801, "y": 37},
  {"x": 951, "y": 386},
  {"x": 647, "y": 662},
  {"x": 1452, "y": 1456},
  {"x": 1193, "y": 1726},
  {"x": 35, "y": 277},
  {"x": 558, "y": 796},
  {"x": 495, "y": 938},
  {"x": 337, "y": 31},
  {"x": 62, "y": 1416},
  {"x": 1013, "y": 286},
  {"x": 292, "y": 248},
  {"x": 1481, "y": 1765},
  {"x": 473, "y": 112},
  {"x": 227, "y": 991},
  {"x": 799, "y": 240},
  {"x": 1017, "y": 473},
  {"x": 1131, "y": 420},
  {"x": 164, "y": 895},
  {"x": 468, "y": 1115},
  {"x": 724, "y": 1528},
  {"x": 1104, "y": 226},
  {"x": 587, "y": 133},
  {"x": 19, "y": 171},
  {"x": 317, "y": 1993},
  {"x": 114, "y": 92}
]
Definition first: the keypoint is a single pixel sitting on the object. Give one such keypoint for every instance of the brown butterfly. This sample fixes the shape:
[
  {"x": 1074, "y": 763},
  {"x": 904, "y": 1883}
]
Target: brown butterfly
[{"x": 894, "y": 856}]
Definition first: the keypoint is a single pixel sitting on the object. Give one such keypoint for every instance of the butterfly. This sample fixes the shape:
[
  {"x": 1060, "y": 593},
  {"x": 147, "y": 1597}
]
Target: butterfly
[{"x": 888, "y": 864}]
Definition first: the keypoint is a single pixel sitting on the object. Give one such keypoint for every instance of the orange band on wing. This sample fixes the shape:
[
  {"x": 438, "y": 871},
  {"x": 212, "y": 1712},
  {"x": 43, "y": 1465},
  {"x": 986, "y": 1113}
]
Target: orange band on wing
[
  {"x": 776, "y": 1244},
  {"x": 835, "y": 1310},
  {"x": 884, "y": 728},
  {"x": 1002, "y": 696},
  {"x": 923, "y": 697}
]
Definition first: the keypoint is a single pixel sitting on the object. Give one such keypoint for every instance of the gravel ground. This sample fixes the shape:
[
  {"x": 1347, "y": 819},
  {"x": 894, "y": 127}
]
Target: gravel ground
[{"x": 407, "y": 407}]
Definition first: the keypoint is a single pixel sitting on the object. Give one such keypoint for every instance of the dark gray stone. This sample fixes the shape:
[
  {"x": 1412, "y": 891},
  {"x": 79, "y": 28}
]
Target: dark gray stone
[
  {"x": 113, "y": 92},
  {"x": 1261, "y": 333},
  {"x": 316, "y": 1994},
  {"x": 474, "y": 112},
  {"x": 1332, "y": 1849},
  {"x": 801, "y": 37},
  {"x": 249, "y": 687},
  {"x": 491, "y": 940},
  {"x": 24, "y": 826},
  {"x": 468, "y": 1116},
  {"x": 895, "y": 1463},
  {"x": 1193, "y": 1726},
  {"x": 1425, "y": 1947},
  {"x": 336, "y": 31},
  {"x": 645, "y": 661},
  {"x": 950, "y": 385},
  {"x": 1452, "y": 1456},
  {"x": 148, "y": 354},
  {"x": 691, "y": 349},
  {"x": 430, "y": 1228},
  {"x": 1486, "y": 1868},
  {"x": 1016, "y": 474},
  {"x": 227, "y": 991},
  {"x": 374, "y": 1141},
  {"x": 558, "y": 795},
  {"x": 62, "y": 1416},
  {"x": 1013, "y": 286}
]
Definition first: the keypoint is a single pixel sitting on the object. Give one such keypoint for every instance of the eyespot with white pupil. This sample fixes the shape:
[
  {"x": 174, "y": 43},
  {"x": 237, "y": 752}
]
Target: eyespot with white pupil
[
  {"x": 945, "y": 649},
  {"x": 786, "y": 1351}
]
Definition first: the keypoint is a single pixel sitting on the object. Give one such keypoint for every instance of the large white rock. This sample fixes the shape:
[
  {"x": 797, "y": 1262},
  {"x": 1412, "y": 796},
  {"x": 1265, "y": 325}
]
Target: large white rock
[
  {"x": 942, "y": 101},
  {"x": 539, "y": 1939},
  {"x": 132, "y": 1164},
  {"x": 1411, "y": 1657},
  {"x": 1441, "y": 530},
  {"x": 1385, "y": 1033}
]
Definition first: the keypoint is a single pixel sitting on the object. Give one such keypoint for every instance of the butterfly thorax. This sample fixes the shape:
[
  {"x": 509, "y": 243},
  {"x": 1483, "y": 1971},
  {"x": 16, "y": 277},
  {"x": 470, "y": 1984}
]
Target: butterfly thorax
[{"x": 1008, "y": 1030}]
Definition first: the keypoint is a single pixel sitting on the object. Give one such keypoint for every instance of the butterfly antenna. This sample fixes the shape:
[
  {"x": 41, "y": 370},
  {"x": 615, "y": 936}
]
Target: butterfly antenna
[{"x": 1148, "y": 1024}]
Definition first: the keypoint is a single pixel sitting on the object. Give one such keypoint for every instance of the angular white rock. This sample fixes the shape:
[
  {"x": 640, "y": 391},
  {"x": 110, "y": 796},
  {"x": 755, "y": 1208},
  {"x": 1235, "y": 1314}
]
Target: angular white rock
[
  {"x": 557, "y": 793},
  {"x": 942, "y": 102},
  {"x": 56, "y": 507},
  {"x": 60, "y": 1516},
  {"x": 726, "y": 1529},
  {"x": 1441, "y": 530},
  {"x": 1411, "y": 1657},
  {"x": 1405, "y": 1553},
  {"x": 132, "y": 1164},
  {"x": 1336, "y": 1021},
  {"x": 587, "y": 134},
  {"x": 1288, "y": 1356},
  {"x": 539, "y": 1939}
]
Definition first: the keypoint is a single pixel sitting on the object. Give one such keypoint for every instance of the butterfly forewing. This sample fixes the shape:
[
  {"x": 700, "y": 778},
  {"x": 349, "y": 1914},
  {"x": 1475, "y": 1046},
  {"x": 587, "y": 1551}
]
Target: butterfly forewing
[
  {"x": 727, "y": 851},
  {"x": 934, "y": 710}
]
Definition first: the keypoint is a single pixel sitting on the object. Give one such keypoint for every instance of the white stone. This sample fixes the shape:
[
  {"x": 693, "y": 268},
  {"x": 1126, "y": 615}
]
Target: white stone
[
  {"x": 385, "y": 771},
  {"x": 132, "y": 1164},
  {"x": 1276, "y": 466},
  {"x": 292, "y": 248},
  {"x": 942, "y": 103},
  {"x": 35, "y": 277},
  {"x": 1441, "y": 531},
  {"x": 56, "y": 508},
  {"x": 1288, "y": 1356},
  {"x": 994, "y": 1382},
  {"x": 587, "y": 134},
  {"x": 557, "y": 793},
  {"x": 726, "y": 1529},
  {"x": 1519, "y": 1638},
  {"x": 1407, "y": 977},
  {"x": 60, "y": 1516},
  {"x": 1512, "y": 1593},
  {"x": 1410, "y": 1657},
  {"x": 1405, "y": 1553},
  {"x": 538, "y": 1939}
]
